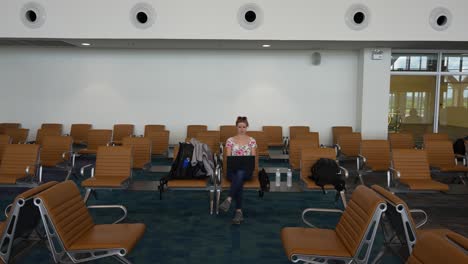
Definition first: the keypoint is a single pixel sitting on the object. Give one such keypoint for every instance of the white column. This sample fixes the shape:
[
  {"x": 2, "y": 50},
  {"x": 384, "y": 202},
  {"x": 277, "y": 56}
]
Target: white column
[{"x": 373, "y": 93}]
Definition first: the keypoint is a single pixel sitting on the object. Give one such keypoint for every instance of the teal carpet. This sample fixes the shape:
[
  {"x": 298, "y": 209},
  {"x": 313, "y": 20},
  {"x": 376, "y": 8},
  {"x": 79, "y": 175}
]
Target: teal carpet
[{"x": 181, "y": 230}]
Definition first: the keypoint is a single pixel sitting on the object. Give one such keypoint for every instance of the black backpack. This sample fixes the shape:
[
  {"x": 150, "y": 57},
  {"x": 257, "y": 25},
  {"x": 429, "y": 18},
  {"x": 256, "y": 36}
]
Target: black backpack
[
  {"x": 264, "y": 181},
  {"x": 459, "y": 147},
  {"x": 182, "y": 167},
  {"x": 326, "y": 171}
]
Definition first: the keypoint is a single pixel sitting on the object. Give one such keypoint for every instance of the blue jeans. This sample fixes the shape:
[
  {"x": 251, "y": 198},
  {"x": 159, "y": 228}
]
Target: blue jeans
[{"x": 237, "y": 179}]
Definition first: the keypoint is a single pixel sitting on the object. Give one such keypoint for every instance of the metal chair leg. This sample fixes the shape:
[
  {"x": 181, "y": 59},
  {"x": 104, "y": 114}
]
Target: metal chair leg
[
  {"x": 218, "y": 197},
  {"x": 211, "y": 201}
]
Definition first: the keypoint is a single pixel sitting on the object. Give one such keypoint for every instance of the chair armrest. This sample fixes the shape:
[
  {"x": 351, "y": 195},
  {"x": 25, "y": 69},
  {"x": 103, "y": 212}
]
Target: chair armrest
[
  {"x": 322, "y": 210},
  {"x": 82, "y": 170},
  {"x": 111, "y": 207},
  {"x": 147, "y": 166},
  {"x": 28, "y": 168},
  {"x": 458, "y": 156},
  {"x": 72, "y": 157},
  {"x": 217, "y": 172},
  {"x": 392, "y": 170},
  {"x": 344, "y": 170},
  {"x": 364, "y": 159},
  {"x": 7, "y": 210},
  {"x": 390, "y": 173},
  {"x": 424, "y": 221},
  {"x": 361, "y": 161},
  {"x": 337, "y": 148}
]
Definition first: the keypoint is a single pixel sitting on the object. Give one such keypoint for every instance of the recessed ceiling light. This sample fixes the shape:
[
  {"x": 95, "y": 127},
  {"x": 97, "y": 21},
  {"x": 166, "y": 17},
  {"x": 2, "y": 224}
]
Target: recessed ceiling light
[
  {"x": 266, "y": 45},
  {"x": 85, "y": 44}
]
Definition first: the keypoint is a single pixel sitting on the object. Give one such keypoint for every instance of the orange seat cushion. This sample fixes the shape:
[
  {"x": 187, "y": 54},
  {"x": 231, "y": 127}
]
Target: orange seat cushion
[
  {"x": 310, "y": 184},
  {"x": 312, "y": 241},
  {"x": 110, "y": 236},
  {"x": 113, "y": 182},
  {"x": 2, "y": 227},
  {"x": 189, "y": 183},
  {"x": 87, "y": 151},
  {"x": 454, "y": 168},
  {"x": 423, "y": 184}
]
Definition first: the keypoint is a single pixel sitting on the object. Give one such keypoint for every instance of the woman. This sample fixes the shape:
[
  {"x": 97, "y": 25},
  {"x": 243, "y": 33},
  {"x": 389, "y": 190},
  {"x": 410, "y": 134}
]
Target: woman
[{"x": 239, "y": 145}]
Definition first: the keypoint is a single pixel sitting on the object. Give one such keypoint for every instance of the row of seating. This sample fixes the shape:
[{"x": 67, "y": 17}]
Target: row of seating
[
  {"x": 353, "y": 238},
  {"x": 92, "y": 138},
  {"x": 410, "y": 167},
  {"x": 22, "y": 164},
  {"x": 70, "y": 230},
  {"x": 57, "y": 151},
  {"x": 351, "y": 146}
]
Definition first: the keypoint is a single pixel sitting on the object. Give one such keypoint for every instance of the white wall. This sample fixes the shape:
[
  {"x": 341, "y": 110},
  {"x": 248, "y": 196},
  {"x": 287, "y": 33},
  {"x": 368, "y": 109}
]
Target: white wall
[
  {"x": 396, "y": 20},
  {"x": 177, "y": 88}
]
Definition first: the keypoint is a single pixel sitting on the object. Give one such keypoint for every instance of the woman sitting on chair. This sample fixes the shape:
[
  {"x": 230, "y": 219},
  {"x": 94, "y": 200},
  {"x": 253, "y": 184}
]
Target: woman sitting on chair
[{"x": 239, "y": 145}]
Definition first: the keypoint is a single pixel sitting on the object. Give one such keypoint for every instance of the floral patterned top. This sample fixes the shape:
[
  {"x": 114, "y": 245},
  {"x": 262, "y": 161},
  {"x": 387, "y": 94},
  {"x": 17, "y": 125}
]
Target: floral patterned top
[{"x": 241, "y": 150}]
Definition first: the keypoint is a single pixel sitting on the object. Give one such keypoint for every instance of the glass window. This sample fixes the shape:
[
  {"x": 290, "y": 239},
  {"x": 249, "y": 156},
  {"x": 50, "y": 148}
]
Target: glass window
[
  {"x": 411, "y": 105},
  {"x": 414, "y": 62},
  {"x": 453, "y": 111},
  {"x": 455, "y": 62}
]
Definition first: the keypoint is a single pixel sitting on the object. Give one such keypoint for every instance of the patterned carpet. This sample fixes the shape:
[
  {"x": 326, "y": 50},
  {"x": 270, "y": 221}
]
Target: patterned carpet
[{"x": 181, "y": 230}]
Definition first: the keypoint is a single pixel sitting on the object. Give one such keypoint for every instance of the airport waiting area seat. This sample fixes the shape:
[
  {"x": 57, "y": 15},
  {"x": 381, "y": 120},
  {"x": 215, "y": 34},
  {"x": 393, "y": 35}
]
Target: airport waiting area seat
[
  {"x": 374, "y": 157},
  {"x": 57, "y": 152},
  {"x": 210, "y": 138},
  {"x": 193, "y": 130},
  {"x": 427, "y": 137},
  {"x": 153, "y": 128},
  {"x": 402, "y": 234},
  {"x": 72, "y": 233},
  {"x": 113, "y": 169},
  {"x": 121, "y": 131},
  {"x": 274, "y": 136},
  {"x": 441, "y": 157},
  {"x": 209, "y": 183},
  {"x": 294, "y": 131},
  {"x": 401, "y": 141},
  {"x": 301, "y": 141},
  {"x": 262, "y": 142},
  {"x": 22, "y": 220},
  {"x": 4, "y": 126},
  {"x": 350, "y": 242},
  {"x": 348, "y": 147},
  {"x": 227, "y": 131},
  {"x": 222, "y": 182},
  {"x": 79, "y": 133},
  {"x": 337, "y": 131},
  {"x": 400, "y": 226},
  {"x": 58, "y": 128},
  {"x": 44, "y": 132},
  {"x": 309, "y": 156},
  {"x": 20, "y": 166},
  {"x": 96, "y": 139},
  {"x": 411, "y": 167},
  {"x": 17, "y": 135},
  {"x": 5, "y": 140},
  {"x": 435, "y": 248},
  {"x": 141, "y": 147},
  {"x": 159, "y": 141}
]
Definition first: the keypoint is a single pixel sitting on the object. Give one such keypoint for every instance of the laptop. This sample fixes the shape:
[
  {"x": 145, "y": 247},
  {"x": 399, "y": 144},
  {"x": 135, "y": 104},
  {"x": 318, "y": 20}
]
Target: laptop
[{"x": 246, "y": 163}]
